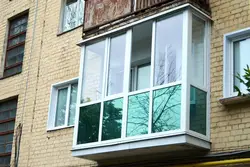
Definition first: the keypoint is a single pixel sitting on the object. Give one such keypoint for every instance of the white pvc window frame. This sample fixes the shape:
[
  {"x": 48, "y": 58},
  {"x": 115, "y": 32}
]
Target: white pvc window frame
[
  {"x": 53, "y": 104},
  {"x": 185, "y": 83},
  {"x": 228, "y": 60}
]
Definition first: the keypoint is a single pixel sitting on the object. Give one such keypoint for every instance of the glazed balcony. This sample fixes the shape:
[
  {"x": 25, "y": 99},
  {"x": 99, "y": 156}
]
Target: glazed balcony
[{"x": 144, "y": 88}]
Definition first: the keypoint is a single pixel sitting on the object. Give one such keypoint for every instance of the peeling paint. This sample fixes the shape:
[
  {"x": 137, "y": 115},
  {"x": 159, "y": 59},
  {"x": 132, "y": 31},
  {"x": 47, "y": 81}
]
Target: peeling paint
[
  {"x": 141, "y": 4},
  {"x": 100, "y": 11}
]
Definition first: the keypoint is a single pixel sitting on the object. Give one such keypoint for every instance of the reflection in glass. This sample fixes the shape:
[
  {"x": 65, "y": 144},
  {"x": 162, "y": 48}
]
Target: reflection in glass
[
  {"x": 72, "y": 105},
  {"x": 61, "y": 106},
  {"x": 138, "y": 112},
  {"x": 116, "y": 64},
  {"x": 166, "y": 109},
  {"x": 93, "y": 72},
  {"x": 168, "y": 50},
  {"x": 197, "y": 58},
  {"x": 241, "y": 60},
  {"x": 112, "y": 119},
  {"x": 88, "y": 127},
  {"x": 198, "y": 108},
  {"x": 141, "y": 56}
]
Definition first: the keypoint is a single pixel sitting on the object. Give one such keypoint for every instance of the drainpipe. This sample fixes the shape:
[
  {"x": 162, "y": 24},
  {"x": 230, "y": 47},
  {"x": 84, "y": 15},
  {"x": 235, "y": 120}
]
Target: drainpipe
[{"x": 217, "y": 163}]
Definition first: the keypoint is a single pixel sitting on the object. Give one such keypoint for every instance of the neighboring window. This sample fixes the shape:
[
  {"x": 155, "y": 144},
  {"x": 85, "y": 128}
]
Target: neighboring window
[
  {"x": 73, "y": 12},
  {"x": 236, "y": 58},
  {"x": 15, "y": 45},
  {"x": 7, "y": 126},
  {"x": 63, "y": 104},
  {"x": 133, "y": 81}
]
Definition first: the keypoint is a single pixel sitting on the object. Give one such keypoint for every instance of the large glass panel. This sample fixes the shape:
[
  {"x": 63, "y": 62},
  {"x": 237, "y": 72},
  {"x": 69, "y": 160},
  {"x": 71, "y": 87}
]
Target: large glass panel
[
  {"x": 168, "y": 50},
  {"x": 8, "y": 109},
  {"x": 166, "y": 109},
  {"x": 116, "y": 64},
  {"x": 141, "y": 56},
  {"x": 72, "y": 105},
  {"x": 19, "y": 25},
  {"x": 138, "y": 113},
  {"x": 8, "y": 126},
  {"x": 61, "y": 106},
  {"x": 89, "y": 120},
  {"x": 112, "y": 119},
  {"x": 198, "y": 108},
  {"x": 93, "y": 72},
  {"x": 241, "y": 60},
  {"x": 197, "y": 58}
]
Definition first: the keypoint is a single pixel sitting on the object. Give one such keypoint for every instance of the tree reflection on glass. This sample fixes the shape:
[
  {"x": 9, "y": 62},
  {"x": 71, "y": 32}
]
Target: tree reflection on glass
[
  {"x": 89, "y": 119},
  {"x": 138, "y": 112},
  {"x": 112, "y": 119},
  {"x": 166, "y": 109}
]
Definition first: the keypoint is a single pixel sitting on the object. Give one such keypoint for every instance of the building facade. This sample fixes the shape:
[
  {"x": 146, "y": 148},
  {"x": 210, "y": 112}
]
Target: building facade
[{"x": 123, "y": 83}]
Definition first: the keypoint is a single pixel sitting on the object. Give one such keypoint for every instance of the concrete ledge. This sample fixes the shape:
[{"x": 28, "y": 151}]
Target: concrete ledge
[{"x": 171, "y": 144}]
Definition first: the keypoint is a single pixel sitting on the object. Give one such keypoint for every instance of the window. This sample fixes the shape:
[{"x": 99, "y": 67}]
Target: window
[
  {"x": 145, "y": 81},
  {"x": 236, "y": 58},
  {"x": 63, "y": 104},
  {"x": 73, "y": 12},
  {"x": 7, "y": 126},
  {"x": 15, "y": 45}
]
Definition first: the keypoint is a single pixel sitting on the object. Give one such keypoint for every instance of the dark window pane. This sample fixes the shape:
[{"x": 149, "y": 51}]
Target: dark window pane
[
  {"x": 8, "y": 148},
  {"x": 89, "y": 120},
  {"x": 166, "y": 109},
  {"x": 2, "y": 149},
  {"x": 18, "y": 25},
  {"x": 15, "y": 56},
  {"x": 13, "y": 71},
  {"x": 17, "y": 40},
  {"x": 112, "y": 119},
  {"x": 61, "y": 106},
  {"x": 198, "y": 108},
  {"x": 8, "y": 105},
  {"x": 72, "y": 105},
  {"x": 8, "y": 126},
  {"x": 138, "y": 109}
]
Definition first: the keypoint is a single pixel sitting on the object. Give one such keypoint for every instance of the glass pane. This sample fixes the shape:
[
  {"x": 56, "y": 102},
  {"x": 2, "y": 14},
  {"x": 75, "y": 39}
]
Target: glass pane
[
  {"x": 89, "y": 120},
  {"x": 143, "y": 77},
  {"x": 15, "y": 55},
  {"x": 141, "y": 56},
  {"x": 8, "y": 148},
  {"x": 9, "y": 138},
  {"x": 2, "y": 149},
  {"x": 7, "y": 126},
  {"x": 8, "y": 105},
  {"x": 93, "y": 72},
  {"x": 70, "y": 15},
  {"x": 112, "y": 119},
  {"x": 116, "y": 64},
  {"x": 198, "y": 108},
  {"x": 138, "y": 110},
  {"x": 17, "y": 40},
  {"x": 13, "y": 71},
  {"x": 61, "y": 106},
  {"x": 168, "y": 50},
  {"x": 72, "y": 105},
  {"x": 241, "y": 60},
  {"x": 80, "y": 12},
  {"x": 197, "y": 58},
  {"x": 166, "y": 109}
]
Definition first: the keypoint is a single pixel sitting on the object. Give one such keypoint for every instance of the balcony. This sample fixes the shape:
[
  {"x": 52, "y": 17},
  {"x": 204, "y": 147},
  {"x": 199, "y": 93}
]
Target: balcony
[
  {"x": 97, "y": 19},
  {"x": 144, "y": 88}
]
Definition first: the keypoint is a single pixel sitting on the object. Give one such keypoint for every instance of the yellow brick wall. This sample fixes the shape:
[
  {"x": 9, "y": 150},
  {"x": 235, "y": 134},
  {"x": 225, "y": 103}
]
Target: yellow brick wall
[
  {"x": 230, "y": 126},
  {"x": 50, "y": 58}
]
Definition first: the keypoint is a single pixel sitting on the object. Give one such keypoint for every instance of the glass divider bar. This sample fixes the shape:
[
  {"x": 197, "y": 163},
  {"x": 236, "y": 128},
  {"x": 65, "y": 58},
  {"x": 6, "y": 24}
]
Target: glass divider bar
[
  {"x": 152, "y": 79},
  {"x": 79, "y": 96},
  {"x": 186, "y": 52},
  {"x": 126, "y": 81},
  {"x": 104, "y": 84}
]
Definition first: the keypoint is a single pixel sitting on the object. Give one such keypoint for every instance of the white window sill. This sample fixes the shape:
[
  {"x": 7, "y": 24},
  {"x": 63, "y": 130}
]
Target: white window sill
[
  {"x": 234, "y": 100},
  {"x": 59, "y": 128}
]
